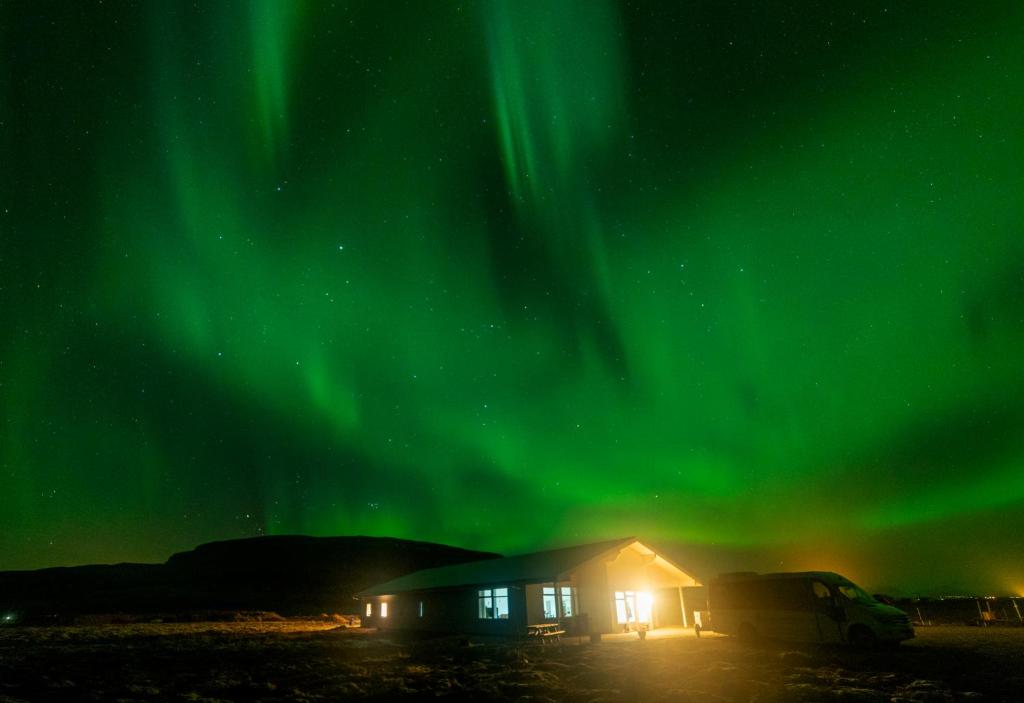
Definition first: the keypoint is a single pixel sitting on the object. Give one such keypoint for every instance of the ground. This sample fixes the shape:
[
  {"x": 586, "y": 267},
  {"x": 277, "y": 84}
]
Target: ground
[{"x": 318, "y": 661}]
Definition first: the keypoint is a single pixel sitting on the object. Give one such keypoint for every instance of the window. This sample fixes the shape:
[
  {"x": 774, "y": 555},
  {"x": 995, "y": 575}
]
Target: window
[
  {"x": 632, "y": 606},
  {"x": 567, "y": 601},
  {"x": 789, "y": 594},
  {"x": 565, "y": 593},
  {"x": 855, "y": 594},
  {"x": 421, "y": 609},
  {"x": 625, "y": 607},
  {"x": 760, "y": 593},
  {"x": 369, "y": 609},
  {"x": 492, "y": 603},
  {"x": 548, "y": 598},
  {"x": 383, "y": 610}
]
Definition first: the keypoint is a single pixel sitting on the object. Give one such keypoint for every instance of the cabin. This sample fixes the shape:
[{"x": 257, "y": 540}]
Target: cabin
[{"x": 590, "y": 589}]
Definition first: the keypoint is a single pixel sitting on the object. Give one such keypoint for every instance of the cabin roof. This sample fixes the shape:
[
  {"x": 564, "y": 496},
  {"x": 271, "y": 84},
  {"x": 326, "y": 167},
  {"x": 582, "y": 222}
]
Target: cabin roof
[{"x": 530, "y": 568}]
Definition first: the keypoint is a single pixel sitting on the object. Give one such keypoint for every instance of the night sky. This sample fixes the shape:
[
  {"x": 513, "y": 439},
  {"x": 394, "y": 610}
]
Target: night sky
[{"x": 746, "y": 278}]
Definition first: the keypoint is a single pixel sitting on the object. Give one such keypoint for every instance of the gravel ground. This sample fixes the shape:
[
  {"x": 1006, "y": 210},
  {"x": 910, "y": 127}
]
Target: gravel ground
[{"x": 315, "y": 661}]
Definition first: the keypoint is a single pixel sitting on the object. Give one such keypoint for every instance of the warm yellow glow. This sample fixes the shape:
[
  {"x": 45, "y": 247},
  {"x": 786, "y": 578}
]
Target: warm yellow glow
[
  {"x": 633, "y": 607},
  {"x": 369, "y": 609},
  {"x": 643, "y": 606},
  {"x": 383, "y": 610},
  {"x": 1014, "y": 584}
]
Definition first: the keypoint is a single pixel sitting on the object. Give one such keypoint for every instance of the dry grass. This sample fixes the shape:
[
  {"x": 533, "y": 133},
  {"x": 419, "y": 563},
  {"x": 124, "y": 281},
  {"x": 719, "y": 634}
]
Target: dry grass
[{"x": 318, "y": 661}]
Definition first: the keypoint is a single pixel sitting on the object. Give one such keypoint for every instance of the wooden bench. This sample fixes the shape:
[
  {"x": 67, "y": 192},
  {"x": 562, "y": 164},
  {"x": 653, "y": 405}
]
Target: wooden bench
[{"x": 546, "y": 632}]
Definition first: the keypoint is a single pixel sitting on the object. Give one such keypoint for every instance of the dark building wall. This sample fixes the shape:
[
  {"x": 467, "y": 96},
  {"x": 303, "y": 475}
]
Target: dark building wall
[
  {"x": 595, "y": 598},
  {"x": 452, "y": 611}
]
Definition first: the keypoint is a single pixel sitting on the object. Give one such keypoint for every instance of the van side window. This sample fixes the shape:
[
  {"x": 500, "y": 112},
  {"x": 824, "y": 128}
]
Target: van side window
[
  {"x": 821, "y": 590},
  {"x": 790, "y": 594}
]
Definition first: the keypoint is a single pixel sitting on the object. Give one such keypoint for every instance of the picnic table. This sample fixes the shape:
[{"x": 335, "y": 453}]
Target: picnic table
[{"x": 546, "y": 631}]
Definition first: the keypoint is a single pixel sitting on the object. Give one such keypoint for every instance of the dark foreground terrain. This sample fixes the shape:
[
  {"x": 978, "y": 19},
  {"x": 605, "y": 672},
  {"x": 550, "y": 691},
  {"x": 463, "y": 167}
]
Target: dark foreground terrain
[{"x": 316, "y": 661}]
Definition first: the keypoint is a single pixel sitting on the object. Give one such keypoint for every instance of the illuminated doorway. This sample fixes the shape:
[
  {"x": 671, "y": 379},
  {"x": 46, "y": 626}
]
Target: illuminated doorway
[{"x": 632, "y": 607}]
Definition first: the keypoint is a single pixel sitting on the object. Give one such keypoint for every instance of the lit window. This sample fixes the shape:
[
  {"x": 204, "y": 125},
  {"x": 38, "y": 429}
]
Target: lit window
[
  {"x": 567, "y": 601},
  {"x": 633, "y": 606},
  {"x": 550, "y": 606},
  {"x": 625, "y": 607},
  {"x": 492, "y": 604},
  {"x": 421, "y": 609},
  {"x": 369, "y": 609},
  {"x": 549, "y": 603},
  {"x": 383, "y": 610}
]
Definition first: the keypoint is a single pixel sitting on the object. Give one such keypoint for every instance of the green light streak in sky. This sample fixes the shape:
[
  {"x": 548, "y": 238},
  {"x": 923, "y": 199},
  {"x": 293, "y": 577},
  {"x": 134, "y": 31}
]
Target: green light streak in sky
[
  {"x": 512, "y": 273},
  {"x": 273, "y": 26}
]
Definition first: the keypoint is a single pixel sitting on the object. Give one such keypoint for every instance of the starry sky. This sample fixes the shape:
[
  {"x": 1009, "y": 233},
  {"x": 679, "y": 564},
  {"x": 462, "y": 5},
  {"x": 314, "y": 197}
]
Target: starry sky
[{"x": 745, "y": 278}]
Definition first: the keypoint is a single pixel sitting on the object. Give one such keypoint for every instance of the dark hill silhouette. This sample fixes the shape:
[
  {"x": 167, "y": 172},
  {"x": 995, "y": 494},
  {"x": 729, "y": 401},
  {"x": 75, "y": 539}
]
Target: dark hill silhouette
[{"x": 286, "y": 574}]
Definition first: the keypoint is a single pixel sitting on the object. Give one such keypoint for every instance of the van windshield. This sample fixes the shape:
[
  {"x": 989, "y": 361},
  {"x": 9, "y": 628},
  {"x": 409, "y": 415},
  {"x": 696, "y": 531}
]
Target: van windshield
[{"x": 855, "y": 594}]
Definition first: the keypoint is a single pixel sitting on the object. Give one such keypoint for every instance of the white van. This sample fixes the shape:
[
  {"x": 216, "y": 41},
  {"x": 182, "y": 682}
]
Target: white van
[{"x": 812, "y": 606}]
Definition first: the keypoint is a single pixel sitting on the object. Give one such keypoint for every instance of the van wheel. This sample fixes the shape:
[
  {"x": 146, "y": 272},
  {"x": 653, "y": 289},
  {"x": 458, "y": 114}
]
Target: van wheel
[
  {"x": 862, "y": 638},
  {"x": 746, "y": 633}
]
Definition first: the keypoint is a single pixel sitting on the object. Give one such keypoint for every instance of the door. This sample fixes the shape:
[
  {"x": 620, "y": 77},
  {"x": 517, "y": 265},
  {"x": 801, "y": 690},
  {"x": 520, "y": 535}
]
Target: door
[
  {"x": 788, "y": 611},
  {"x": 830, "y": 616},
  {"x": 625, "y": 608},
  {"x": 632, "y": 608}
]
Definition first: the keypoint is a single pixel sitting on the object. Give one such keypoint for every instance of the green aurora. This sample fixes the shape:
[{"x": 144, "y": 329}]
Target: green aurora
[{"x": 745, "y": 278}]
